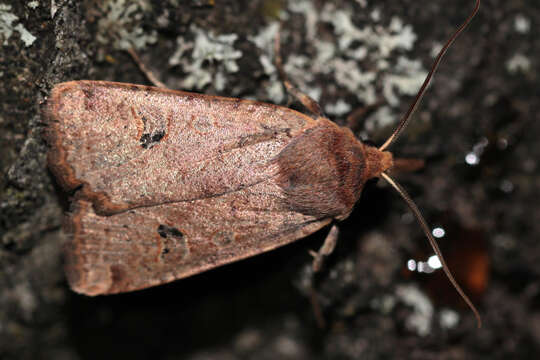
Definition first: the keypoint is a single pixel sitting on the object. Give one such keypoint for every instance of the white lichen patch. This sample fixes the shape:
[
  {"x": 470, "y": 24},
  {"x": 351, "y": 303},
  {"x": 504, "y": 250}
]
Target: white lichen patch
[
  {"x": 448, "y": 319},
  {"x": 212, "y": 56},
  {"x": 383, "y": 117},
  {"x": 120, "y": 24},
  {"x": 6, "y": 22},
  {"x": 436, "y": 49},
  {"x": 420, "y": 320},
  {"x": 339, "y": 108},
  {"x": 32, "y": 4},
  {"x": 54, "y": 8},
  {"x": 264, "y": 40},
  {"x": 521, "y": 24},
  {"x": 296, "y": 64},
  {"x": 375, "y": 15},
  {"x": 7, "y": 27},
  {"x": 518, "y": 63},
  {"x": 306, "y": 8},
  {"x": 368, "y": 60},
  {"x": 26, "y": 37},
  {"x": 407, "y": 79}
]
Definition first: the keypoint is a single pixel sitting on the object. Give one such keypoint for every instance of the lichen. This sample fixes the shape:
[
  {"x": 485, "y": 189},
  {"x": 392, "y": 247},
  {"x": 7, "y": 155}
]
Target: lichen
[
  {"x": 7, "y": 27},
  {"x": 420, "y": 319},
  {"x": 522, "y": 24},
  {"x": 26, "y": 37},
  {"x": 448, "y": 319},
  {"x": 264, "y": 40},
  {"x": 212, "y": 56},
  {"x": 339, "y": 108},
  {"x": 121, "y": 24},
  {"x": 358, "y": 59},
  {"x": 32, "y": 4},
  {"x": 518, "y": 63}
]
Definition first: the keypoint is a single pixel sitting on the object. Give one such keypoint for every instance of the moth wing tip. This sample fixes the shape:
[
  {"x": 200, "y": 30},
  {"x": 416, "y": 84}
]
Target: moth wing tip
[{"x": 90, "y": 282}]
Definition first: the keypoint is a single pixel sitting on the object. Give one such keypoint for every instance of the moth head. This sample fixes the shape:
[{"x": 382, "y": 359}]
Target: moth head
[{"x": 377, "y": 161}]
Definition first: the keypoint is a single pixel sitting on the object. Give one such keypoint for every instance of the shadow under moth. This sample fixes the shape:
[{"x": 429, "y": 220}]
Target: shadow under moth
[{"x": 168, "y": 184}]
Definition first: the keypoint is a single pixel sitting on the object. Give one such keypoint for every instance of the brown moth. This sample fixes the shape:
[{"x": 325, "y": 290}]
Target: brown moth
[{"x": 168, "y": 184}]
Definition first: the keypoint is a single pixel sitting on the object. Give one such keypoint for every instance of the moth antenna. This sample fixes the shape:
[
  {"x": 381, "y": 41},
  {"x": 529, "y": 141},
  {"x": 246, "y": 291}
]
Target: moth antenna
[
  {"x": 412, "y": 108},
  {"x": 433, "y": 243}
]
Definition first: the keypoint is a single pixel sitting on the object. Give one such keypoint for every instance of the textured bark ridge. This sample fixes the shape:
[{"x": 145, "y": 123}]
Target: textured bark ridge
[{"x": 169, "y": 184}]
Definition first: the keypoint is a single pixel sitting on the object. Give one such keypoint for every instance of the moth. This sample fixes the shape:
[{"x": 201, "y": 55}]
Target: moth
[{"x": 167, "y": 184}]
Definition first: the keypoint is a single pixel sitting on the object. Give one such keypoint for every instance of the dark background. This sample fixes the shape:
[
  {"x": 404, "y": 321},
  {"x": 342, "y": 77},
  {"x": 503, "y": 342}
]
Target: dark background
[{"x": 483, "y": 102}]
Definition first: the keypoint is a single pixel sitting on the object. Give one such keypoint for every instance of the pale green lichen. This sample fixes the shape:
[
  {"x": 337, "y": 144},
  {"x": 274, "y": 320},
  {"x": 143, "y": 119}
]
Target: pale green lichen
[
  {"x": 382, "y": 117},
  {"x": 27, "y": 38},
  {"x": 518, "y": 63},
  {"x": 448, "y": 319},
  {"x": 373, "y": 44},
  {"x": 420, "y": 319},
  {"x": 264, "y": 40},
  {"x": 6, "y": 22},
  {"x": 54, "y": 8},
  {"x": 212, "y": 56},
  {"x": 360, "y": 59},
  {"x": 32, "y": 4},
  {"x": 522, "y": 24},
  {"x": 310, "y": 13},
  {"x": 339, "y": 108},
  {"x": 7, "y": 27},
  {"x": 120, "y": 24},
  {"x": 402, "y": 80}
]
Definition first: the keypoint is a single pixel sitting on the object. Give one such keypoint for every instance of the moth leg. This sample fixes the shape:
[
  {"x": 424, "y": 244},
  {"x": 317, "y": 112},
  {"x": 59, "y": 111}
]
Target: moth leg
[
  {"x": 326, "y": 249},
  {"x": 358, "y": 115},
  {"x": 316, "y": 306},
  {"x": 305, "y": 99},
  {"x": 149, "y": 74}
]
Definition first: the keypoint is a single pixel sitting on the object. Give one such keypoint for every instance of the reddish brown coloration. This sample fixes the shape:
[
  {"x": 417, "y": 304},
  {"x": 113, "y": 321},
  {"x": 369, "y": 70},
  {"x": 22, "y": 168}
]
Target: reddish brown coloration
[
  {"x": 407, "y": 165},
  {"x": 169, "y": 183}
]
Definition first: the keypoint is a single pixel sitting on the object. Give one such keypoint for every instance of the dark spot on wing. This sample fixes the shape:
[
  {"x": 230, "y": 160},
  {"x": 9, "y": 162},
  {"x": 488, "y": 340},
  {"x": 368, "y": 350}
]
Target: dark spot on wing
[
  {"x": 174, "y": 244},
  {"x": 148, "y": 140},
  {"x": 168, "y": 231}
]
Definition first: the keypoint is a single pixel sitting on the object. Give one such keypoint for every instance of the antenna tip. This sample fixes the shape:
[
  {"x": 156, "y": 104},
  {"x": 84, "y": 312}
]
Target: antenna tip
[{"x": 478, "y": 321}]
